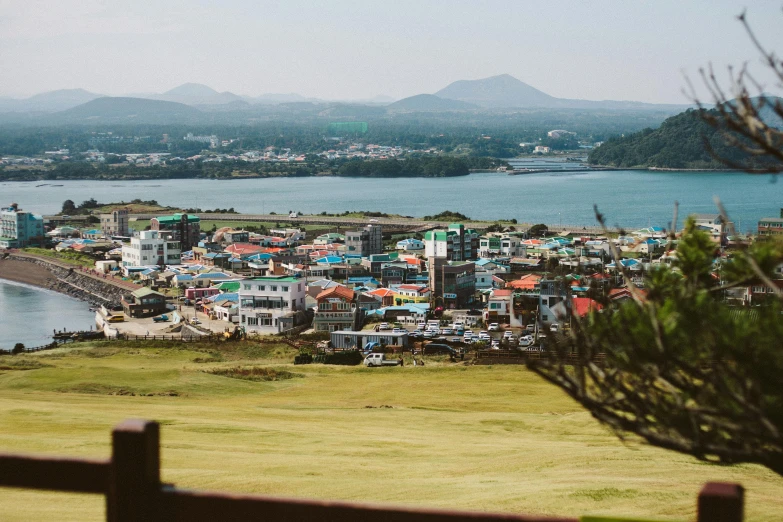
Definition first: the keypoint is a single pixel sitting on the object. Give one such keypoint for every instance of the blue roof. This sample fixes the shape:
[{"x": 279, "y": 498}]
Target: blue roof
[
  {"x": 232, "y": 296},
  {"x": 212, "y": 275},
  {"x": 184, "y": 277},
  {"x": 264, "y": 256},
  {"x": 363, "y": 279},
  {"x": 329, "y": 259}
]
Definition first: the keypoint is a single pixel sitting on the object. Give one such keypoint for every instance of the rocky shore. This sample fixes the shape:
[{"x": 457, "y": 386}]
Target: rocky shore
[{"x": 68, "y": 281}]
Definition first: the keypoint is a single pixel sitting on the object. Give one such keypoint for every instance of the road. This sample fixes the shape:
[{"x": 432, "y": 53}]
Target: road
[{"x": 406, "y": 224}]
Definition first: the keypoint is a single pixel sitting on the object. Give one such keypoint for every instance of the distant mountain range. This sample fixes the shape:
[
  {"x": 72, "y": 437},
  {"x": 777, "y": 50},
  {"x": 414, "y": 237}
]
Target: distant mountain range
[
  {"x": 494, "y": 93},
  {"x": 505, "y": 91},
  {"x": 127, "y": 110}
]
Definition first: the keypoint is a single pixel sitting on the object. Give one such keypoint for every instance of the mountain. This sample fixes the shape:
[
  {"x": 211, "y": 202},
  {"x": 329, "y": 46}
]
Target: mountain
[
  {"x": 197, "y": 94},
  {"x": 51, "y": 101},
  {"x": 429, "y": 102},
  {"x": 127, "y": 110},
  {"x": 505, "y": 91},
  {"x": 497, "y": 91}
]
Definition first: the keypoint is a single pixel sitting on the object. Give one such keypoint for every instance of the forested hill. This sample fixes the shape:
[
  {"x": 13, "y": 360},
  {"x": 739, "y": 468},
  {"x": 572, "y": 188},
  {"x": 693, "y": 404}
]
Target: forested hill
[{"x": 679, "y": 143}]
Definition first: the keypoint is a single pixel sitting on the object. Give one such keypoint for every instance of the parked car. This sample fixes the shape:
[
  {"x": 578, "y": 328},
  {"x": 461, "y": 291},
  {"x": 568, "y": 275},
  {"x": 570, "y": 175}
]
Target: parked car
[
  {"x": 495, "y": 345},
  {"x": 422, "y": 326},
  {"x": 416, "y": 334},
  {"x": 554, "y": 327},
  {"x": 429, "y": 334},
  {"x": 484, "y": 335},
  {"x": 508, "y": 334},
  {"x": 399, "y": 330},
  {"x": 379, "y": 359},
  {"x": 458, "y": 325},
  {"x": 438, "y": 349},
  {"x": 493, "y": 327},
  {"x": 446, "y": 331},
  {"x": 525, "y": 340},
  {"x": 456, "y": 339},
  {"x": 383, "y": 326},
  {"x": 459, "y": 331}
]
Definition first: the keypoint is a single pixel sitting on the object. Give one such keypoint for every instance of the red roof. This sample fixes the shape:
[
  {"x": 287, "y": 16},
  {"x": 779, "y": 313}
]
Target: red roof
[
  {"x": 501, "y": 292},
  {"x": 336, "y": 292},
  {"x": 582, "y": 306},
  {"x": 243, "y": 249}
]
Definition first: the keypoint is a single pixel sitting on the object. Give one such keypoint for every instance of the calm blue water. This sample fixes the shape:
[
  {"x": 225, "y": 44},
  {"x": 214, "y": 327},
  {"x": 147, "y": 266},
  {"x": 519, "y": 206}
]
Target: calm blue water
[
  {"x": 627, "y": 198},
  {"x": 29, "y": 315}
]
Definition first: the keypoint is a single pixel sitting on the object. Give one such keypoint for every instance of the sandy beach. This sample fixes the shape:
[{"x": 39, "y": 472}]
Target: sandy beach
[{"x": 23, "y": 272}]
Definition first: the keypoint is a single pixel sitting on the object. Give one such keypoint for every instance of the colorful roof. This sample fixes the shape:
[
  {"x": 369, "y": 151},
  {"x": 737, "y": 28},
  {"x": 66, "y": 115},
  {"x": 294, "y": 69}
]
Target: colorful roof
[{"x": 339, "y": 291}]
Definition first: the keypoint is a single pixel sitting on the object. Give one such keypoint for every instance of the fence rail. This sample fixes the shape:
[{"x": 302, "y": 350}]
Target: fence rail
[{"x": 130, "y": 480}]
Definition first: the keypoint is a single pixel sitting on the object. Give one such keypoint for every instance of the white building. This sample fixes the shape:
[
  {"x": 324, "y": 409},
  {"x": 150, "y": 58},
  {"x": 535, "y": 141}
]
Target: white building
[
  {"x": 268, "y": 304},
  {"x": 151, "y": 247},
  {"x": 455, "y": 244},
  {"x": 410, "y": 244}
]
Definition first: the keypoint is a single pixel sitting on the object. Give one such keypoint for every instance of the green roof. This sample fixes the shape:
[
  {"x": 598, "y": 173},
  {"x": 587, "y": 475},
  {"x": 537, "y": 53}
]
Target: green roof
[
  {"x": 176, "y": 218},
  {"x": 229, "y": 286},
  {"x": 144, "y": 292}
]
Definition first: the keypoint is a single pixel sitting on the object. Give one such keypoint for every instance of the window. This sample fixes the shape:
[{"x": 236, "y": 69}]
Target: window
[
  {"x": 273, "y": 288},
  {"x": 252, "y": 321},
  {"x": 262, "y": 287},
  {"x": 246, "y": 287},
  {"x": 284, "y": 289},
  {"x": 300, "y": 287}
]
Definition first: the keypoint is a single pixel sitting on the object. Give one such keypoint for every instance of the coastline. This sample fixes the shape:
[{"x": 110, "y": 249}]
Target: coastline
[
  {"x": 67, "y": 281},
  {"x": 27, "y": 273}
]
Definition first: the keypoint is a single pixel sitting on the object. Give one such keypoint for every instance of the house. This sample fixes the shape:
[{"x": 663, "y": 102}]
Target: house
[
  {"x": 366, "y": 241},
  {"x": 384, "y": 295},
  {"x": 410, "y": 245},
  {"x": 771, "y": 226},
  {"x": 350, "y": 340},
  {"x": 499, "y": 306},
  {"x": 194, "y": 294},
  {"x": 208, "y": 278},
  {"x": 411, "y": 293},
  {"x": 19, "y": 229},
  {"x": 226, "y": 310},
  {"x": 454, "y": 244},
  {"x": 337, "y": 309},
  {"x": 144, "y": 302},
  {"x": 180, "y": 227},
  {"x": 115, "y": 223},
  {"x": 551, "y": 293},
  {"x": 394, "y": 273},
  {"x": 713, "y": 224},
  {"x": 151, "y": 248},
  {"x": 453, "y": 283},
  {"x": 272, "y": 304}
]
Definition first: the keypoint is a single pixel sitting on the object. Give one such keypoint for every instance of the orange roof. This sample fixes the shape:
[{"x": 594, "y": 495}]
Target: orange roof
[
  {"x": 526, "y": 282},
  {"x": 501, "y": 292},
  {"x": 336, "y": 292},
  {"x": 582, "y": 306},
  {"x": 383, "y": 292}
]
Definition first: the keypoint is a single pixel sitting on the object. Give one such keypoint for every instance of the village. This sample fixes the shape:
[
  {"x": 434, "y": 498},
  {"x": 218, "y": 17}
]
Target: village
[{"x": 458, "y": 287}]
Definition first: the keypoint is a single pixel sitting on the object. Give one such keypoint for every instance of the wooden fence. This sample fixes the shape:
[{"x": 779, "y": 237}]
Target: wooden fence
[
  {"x": 130, "y": 481},
  {"x": 524, "y": 355}
]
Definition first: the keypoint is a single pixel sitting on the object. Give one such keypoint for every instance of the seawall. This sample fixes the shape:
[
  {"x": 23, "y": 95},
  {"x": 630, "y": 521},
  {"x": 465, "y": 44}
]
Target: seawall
[{"x": 72, "y": 281}]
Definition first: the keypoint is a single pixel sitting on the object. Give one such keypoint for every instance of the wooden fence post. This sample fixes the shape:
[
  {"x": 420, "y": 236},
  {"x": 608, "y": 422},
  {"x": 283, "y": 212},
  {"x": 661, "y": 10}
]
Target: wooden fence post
[
  {"x": 721, "y": 502},
  {"x": 134, "y": 475}
]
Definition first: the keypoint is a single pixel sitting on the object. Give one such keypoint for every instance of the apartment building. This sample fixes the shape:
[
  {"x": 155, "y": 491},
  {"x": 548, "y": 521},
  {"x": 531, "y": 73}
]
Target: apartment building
[{"x": 271, "y": 304}]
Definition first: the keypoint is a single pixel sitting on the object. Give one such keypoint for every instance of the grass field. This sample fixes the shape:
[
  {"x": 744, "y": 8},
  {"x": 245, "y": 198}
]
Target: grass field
[{"x": 493, "y": 438}]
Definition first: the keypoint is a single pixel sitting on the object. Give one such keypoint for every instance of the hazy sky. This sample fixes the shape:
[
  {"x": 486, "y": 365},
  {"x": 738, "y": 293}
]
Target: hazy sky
[{"x": 622, "y": 50}]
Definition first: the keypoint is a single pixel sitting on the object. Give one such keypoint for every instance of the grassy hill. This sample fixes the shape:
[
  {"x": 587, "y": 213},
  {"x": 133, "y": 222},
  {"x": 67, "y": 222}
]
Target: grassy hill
[
  {"x": 464, "y": 437},
  {"x": 679, "y": 143}
]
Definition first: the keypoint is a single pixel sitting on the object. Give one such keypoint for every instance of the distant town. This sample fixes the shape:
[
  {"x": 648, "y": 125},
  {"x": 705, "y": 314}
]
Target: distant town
[{"x": 373, "y": 274}]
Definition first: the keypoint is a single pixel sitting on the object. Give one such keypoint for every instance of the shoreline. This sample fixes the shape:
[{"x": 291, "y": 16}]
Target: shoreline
[
  {"x": 27, "y": 273},
  {"x": 65, "y": 281}
]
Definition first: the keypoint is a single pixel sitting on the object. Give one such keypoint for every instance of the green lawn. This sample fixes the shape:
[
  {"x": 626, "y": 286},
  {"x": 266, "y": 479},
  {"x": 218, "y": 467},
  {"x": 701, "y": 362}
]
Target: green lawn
[{"x": 494, "y": 438}]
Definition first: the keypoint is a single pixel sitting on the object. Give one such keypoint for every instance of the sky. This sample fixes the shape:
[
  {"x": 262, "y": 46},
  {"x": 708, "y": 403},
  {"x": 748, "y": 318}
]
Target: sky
[{"x": 357, "y": 49}]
